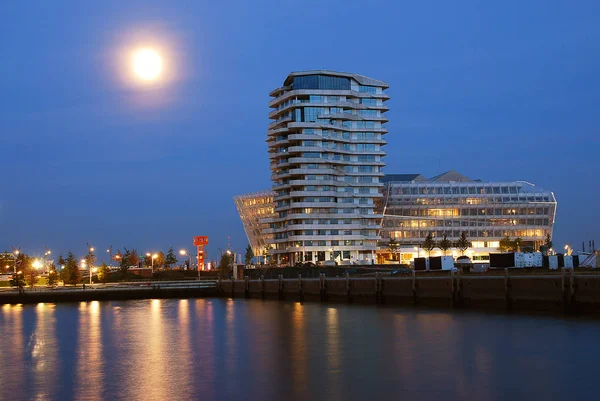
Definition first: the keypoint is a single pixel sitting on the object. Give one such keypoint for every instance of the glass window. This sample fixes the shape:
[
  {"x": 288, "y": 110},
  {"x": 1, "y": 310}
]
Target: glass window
[
  {"x": 367, "y": 89},
  {"x": 321, "y": 82},
  {"x": 369, "y": 113}
]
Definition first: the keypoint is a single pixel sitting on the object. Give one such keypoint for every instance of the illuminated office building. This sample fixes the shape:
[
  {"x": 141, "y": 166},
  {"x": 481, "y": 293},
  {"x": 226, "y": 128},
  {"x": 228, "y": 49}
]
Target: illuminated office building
[{"x": 451, "y": 203}]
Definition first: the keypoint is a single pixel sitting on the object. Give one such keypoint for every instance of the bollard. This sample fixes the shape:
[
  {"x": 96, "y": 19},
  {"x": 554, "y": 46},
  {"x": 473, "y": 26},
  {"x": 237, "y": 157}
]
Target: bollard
[
  {"x": 281, "y": 286},
  {"x": 506, "y": 290},
  {"x": 564, "y": 289},
  {"x": 572, "y": 286},
  {"x": 414, "y": 286},
  {"x": 377, "y": 288},
  {"x": 348, "y": 295},
  {"x": 453, "y": 288}
]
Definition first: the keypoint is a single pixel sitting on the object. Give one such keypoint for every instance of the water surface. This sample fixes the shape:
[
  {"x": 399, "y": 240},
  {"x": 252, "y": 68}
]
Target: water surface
[{"x": 218, "y": 349}]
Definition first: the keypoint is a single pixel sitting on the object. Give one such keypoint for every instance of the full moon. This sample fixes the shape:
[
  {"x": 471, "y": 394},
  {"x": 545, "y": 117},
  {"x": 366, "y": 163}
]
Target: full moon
[{"x": 147, "y": 64}]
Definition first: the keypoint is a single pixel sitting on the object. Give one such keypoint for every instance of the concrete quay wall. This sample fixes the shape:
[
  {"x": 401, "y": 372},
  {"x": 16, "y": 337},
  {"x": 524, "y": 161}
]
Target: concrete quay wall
[
  {"x": 108, "y": 294},
  {"x": 563, "y": 291}
]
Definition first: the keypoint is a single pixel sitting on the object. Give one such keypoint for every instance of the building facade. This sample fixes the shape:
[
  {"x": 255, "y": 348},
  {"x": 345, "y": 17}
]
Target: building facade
[
  {"x": 414, "y": 207},
  {"x": 325, "y": 146},
  {"x": 252, "y": 208},
  {"x": 451, "y": 203}
]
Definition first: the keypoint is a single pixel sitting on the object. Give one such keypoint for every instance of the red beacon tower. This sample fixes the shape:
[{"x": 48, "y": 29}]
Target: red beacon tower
[{"x": 200, "y": 242}]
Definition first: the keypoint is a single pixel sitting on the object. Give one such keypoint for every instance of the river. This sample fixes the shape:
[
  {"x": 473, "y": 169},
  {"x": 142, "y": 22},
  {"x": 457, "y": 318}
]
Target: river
[{"x": 219, "y": 349}]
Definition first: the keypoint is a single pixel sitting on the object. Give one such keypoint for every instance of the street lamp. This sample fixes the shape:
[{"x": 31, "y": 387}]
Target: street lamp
[
  {"x": 17, "y": 252},
  {"x": 152, "y": 257},
  {"x": 183, "y": 252},
  {"x": 92, "y": 270}
]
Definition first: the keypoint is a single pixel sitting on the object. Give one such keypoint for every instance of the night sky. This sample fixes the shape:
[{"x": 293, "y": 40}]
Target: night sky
[{"x": 495, "y": 90}]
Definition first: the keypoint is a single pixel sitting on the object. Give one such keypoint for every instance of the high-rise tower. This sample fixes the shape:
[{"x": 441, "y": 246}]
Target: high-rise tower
[{"x": 325, "y": 147}]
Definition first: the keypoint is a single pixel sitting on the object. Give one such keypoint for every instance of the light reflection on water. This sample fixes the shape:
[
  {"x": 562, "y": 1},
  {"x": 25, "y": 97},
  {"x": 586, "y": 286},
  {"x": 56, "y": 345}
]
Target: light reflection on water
[{"x": 250, "y": 349}]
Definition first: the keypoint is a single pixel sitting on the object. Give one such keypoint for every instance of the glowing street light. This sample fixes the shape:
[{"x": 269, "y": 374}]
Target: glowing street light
[
  {"x": 37, "y": 264},
  {"x": 183, "y": 252},
  {"x": 16, "y": 252},
  {"x": 152, "y": 257},
  {"x": 92, "y": 270}
]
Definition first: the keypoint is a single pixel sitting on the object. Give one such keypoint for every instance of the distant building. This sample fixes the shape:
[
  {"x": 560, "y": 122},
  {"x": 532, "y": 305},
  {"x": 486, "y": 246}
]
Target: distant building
[{"x": 451, "y": 203}]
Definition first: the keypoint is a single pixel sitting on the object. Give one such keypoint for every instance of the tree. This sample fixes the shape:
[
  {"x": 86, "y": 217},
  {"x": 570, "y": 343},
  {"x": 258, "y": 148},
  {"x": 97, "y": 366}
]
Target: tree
[
  {"x": 506, "y": 244},
  {"x": 548, "y": 241},
  {"x": 70, "y": 274},
  {"x": 429, "y": 244},
  {"x": 18, "y": 280},
  {"x": 517, "y": 244},
  {"x": 393, "y": 247},
  {"x": 463, "y": 243},
  {"x": 23, "y": 262},
  {"x": 249, "y": 255},
  {"x": 103, "y": 273},
  {"x": 160, "y": 260},
  {"x": 224, "y": 265},
  {"x": 90, "y": 259},
  {"x": 61, "y": 261},
  {"x": 170, "y": 259},
  {"x": 445, "y": 244},
  {"x": 52, "y": 276},
  {"x": 30, "y": 275},
  {"x": 124, "y": 260},
  {"x": 118, "y": 257},
  {"x": 133, "y": 258}
]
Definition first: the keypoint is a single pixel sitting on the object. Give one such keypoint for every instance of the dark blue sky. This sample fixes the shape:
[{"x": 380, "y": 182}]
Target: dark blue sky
[{"x": 495, "y": 90}]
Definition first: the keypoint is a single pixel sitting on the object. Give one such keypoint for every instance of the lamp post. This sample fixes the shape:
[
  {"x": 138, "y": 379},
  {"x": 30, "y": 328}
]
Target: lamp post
[
  {"x": 109, "y": 251},
  {"x": 16, "y": 252},
  {"x": 36, "y": 265},
  {"x": 92, "y": 270},
  {"x": 83, "y": 266},
  {"x": 183, "y": 252},
  {"x": 152, "y": 257}
]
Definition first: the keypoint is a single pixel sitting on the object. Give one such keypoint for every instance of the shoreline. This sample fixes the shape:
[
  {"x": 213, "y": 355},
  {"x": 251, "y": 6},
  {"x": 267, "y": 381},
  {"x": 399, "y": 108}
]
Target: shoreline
[
  {"x": 163, "y": 290},
  {"x": 558, "y": 294}
]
